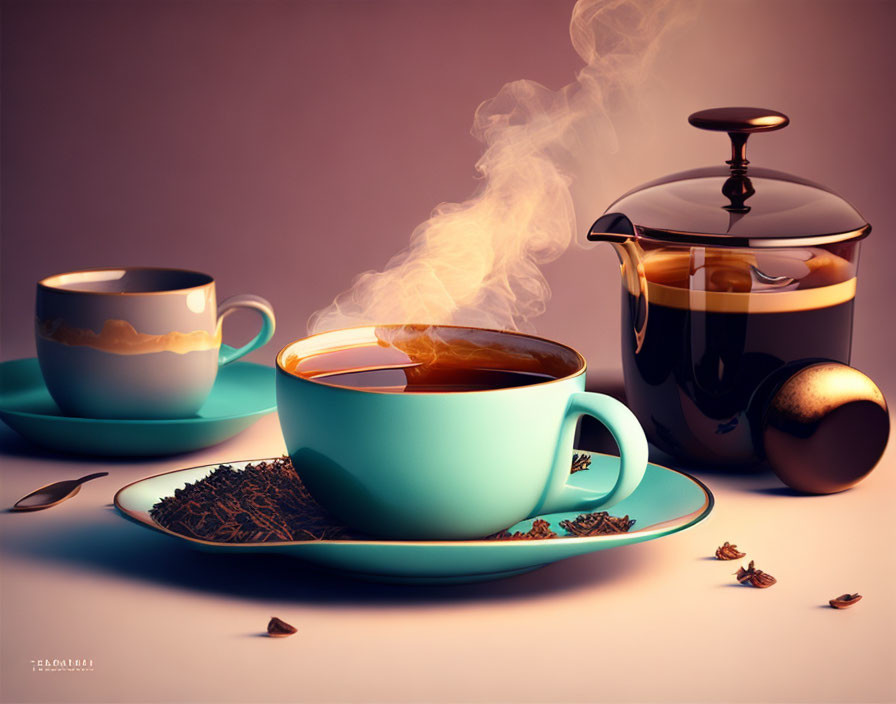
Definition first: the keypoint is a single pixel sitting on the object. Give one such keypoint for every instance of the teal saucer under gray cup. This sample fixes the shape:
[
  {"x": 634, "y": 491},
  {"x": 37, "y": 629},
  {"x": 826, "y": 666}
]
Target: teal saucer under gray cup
[{"x": 448, "y": 465}]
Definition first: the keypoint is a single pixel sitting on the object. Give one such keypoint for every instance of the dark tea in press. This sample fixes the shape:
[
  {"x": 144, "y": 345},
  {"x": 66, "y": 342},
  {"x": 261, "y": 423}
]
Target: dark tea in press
[{"x": 713, "y": 326}]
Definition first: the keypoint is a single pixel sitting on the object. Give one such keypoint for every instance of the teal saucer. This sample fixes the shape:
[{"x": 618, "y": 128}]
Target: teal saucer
[
  {"x": 243, "y": 393},
  {"x": 666, "y": 501}
]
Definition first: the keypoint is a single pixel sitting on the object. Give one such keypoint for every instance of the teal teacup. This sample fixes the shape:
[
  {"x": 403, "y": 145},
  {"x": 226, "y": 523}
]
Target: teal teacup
[{"x": 442, "y": 432}]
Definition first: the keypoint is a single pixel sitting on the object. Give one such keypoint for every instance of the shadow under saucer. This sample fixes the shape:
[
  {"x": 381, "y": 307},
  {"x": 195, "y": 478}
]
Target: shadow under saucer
[{"x": 113, "y": 548}]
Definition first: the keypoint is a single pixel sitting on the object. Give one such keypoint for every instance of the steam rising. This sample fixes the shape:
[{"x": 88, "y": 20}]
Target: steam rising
[{"x": 478, "y": 262}]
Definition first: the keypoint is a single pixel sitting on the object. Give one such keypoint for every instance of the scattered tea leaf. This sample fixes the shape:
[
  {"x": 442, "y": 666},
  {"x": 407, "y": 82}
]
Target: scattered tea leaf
[
  {"x": 279, "y": 629},
  {"x": 844, "y": 601},
  {"x": 540, "y": 530},
  {"x": 580, "y": 462},
  {"x": 754, "y": 577},
  {"x": 729, "y": 552}
]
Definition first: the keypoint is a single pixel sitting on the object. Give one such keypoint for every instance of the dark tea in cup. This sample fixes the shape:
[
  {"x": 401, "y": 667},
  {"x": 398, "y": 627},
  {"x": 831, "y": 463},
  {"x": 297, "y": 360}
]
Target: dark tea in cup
[{"x": 414, "y": 359}]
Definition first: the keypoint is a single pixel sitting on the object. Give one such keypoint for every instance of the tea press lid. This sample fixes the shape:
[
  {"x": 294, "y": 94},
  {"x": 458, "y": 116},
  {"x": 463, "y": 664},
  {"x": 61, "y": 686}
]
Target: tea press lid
[{"x": 735, "y": 205}]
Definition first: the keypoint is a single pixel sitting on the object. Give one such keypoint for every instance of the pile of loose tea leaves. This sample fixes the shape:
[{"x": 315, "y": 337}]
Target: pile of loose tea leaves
[
  {"x": 600, "y": 523},
  {"x": 267, "y": 502},
  {"x": 586, "y": 525}
]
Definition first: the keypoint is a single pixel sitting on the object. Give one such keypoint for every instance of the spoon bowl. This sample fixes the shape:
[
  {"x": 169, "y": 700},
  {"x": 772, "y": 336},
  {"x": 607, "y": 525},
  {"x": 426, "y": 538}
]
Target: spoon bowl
[{"x": 53, "y": 494}]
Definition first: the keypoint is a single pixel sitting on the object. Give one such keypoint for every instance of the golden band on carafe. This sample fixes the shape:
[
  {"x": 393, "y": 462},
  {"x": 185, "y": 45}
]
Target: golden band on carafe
[
  {"x": 764, "y": 302},
  {"x": 721, "y": 281}
]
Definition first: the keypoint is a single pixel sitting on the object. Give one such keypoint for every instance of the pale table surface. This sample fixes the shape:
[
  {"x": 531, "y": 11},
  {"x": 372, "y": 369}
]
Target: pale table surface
[{"x": 657, "y": 622}]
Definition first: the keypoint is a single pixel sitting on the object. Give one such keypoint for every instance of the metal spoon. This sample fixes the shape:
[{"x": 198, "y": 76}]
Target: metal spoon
[
  {"x": 768, "y": 279},
  {"x": 52, "y": 494}
]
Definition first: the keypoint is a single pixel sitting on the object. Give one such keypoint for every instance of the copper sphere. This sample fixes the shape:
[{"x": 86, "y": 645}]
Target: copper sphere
[{"x": 825, "y": 428}]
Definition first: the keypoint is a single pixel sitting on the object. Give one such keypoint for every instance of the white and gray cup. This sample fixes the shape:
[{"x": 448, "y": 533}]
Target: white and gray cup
[{"x": 136, "y": 342}]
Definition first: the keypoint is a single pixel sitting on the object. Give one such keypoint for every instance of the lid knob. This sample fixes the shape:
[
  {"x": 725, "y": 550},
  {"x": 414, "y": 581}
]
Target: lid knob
[
  {"x": 825, "y": 428},
  {"x": 739, "y": 123}
]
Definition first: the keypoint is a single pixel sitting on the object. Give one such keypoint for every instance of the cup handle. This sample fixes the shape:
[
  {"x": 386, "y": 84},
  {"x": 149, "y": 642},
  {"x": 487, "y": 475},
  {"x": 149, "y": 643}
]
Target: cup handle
[
  {"x": 228, "y": 354},
  {"x": 629, "y": 436}
]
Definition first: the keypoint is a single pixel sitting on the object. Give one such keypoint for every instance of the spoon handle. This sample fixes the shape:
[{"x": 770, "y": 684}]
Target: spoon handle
[{"x": 96, "y": 475}]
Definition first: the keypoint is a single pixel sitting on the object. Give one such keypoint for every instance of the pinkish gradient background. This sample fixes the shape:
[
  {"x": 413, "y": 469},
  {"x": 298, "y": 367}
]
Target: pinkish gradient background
[{"x": 286, "y": 146}]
